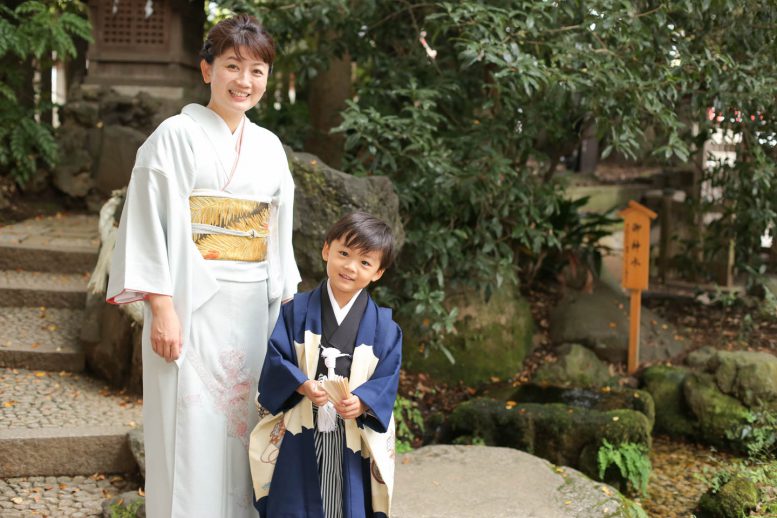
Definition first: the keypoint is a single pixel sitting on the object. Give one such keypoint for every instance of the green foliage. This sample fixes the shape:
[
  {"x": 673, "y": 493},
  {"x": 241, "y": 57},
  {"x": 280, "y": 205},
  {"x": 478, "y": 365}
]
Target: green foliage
[
  {"x": 409, "y": 423},
  {"x": 631, "y": 509},
  {"x": 761, "y": 434},
  {"x": 122, "y": 510},
  {"x": 472, "y": 128},
  {"x": 631, "y": 460},
  {"x": 762, "y": 473},
  {"x": 29, "y": 36}
]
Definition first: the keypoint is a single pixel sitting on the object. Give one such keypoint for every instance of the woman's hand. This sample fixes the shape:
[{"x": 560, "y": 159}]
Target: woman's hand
[
  {"x": 165, "y": 327},
  {"x": 311, "y": 390},
  {"x": 350, "y": 408}
]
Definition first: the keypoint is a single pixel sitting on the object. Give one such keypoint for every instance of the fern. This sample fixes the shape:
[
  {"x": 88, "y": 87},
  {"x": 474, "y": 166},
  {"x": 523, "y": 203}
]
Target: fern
[
  {"x": 631, "y": 460},
  {"x": 35, "y": 29}
]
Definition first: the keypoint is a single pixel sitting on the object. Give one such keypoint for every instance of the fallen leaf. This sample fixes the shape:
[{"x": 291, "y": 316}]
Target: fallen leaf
[
  {"x": 40, "y": 374},
  {"x": 615, "y": 418},
  {"x": 141, "y": 492},
  {"x": 8, "y": 404},
  {"x": 17, "y": 500},
  {"x": 612, "y": 325},
  {"x": 510, "y": 405},
  {"x": 495, "y": 379}
]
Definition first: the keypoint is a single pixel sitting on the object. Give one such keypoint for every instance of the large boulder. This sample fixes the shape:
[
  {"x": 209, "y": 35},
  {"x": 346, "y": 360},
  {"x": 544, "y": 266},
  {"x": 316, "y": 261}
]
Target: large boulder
[
  {"x": 100, "y": 133},
  {"x": 138, "y": 448},
  {"x": 723, "y": 420},
  {"x": 560, "y": 433},
  {"x": 478, "y": 481},
  {"x": 665, "y": 385},
  {"x": 751, "y": 377},
  {"x": 492, "y": 339},
  {"x": 600, "y": 321},
  {"x": 576, "y": 367},
  {"x": 119, "y": 145},
  {"x": 322, "y": 196}
]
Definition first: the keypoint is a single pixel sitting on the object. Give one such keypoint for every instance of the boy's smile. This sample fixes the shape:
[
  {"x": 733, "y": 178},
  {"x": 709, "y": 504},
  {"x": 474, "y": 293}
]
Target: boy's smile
[{"x": 349, "y": 269}]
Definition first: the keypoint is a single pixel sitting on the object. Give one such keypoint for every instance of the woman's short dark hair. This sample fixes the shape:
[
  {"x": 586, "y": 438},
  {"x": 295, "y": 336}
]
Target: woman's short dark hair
[
  {"x": 238, "y": 31},
  {"x": 363, "y": 231}
]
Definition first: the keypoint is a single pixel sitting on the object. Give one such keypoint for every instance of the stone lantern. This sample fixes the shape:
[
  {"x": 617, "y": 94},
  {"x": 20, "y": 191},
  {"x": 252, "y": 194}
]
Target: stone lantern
[{"x": 146, "y": 45}]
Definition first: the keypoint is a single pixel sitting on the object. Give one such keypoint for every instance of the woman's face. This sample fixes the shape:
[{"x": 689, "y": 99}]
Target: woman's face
[{"x": 236, "y": 85}]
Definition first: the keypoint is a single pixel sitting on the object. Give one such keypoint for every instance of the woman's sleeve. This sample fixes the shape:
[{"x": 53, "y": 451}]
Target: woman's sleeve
[
  {"x": 140, "y": 264},
  {"x": 291, "y": 276}
]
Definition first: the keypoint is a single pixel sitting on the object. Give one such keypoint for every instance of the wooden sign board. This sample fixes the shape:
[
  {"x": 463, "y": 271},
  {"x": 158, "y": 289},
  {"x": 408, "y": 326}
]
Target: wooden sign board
[{"x": 636, "y": 245}]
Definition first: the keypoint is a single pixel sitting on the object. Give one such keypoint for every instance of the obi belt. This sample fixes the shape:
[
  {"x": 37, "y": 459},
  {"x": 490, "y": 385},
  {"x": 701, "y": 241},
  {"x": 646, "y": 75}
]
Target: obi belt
[{"x": 233, "y": 228}]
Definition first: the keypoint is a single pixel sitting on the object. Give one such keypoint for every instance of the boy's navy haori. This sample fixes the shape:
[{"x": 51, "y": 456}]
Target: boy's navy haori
[{"x": 282, "y": 451}]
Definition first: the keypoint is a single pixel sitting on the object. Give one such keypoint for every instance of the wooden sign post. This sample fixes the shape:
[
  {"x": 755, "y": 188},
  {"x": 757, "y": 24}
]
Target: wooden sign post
[{"x": 636, "y": 259}]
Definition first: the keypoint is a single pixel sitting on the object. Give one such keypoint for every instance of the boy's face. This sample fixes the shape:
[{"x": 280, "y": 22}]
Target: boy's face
[{"x": 350, "y": 269}]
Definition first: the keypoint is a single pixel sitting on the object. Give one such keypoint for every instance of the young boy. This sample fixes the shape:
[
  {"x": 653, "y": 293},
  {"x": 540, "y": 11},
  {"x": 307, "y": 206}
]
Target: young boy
[{"x": 344, "y": 467}]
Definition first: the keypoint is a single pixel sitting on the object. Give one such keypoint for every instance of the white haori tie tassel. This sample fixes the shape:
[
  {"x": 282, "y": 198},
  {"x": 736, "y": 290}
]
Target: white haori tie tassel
[{"x": 332, "y": 384}]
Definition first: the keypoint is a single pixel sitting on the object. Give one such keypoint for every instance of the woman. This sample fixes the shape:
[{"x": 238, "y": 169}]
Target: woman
[{"x": 205, "y": 240}]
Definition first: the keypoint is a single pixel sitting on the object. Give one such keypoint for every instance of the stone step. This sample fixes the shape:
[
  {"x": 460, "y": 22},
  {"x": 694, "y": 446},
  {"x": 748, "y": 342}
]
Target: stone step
[
  {"x": 41, "y": 338},
  {"x": 63, "y": 424},
  {"x": 36, "y": 289},
  {"x": 60, "y": 244},
  {"x": 62, "y": 496}
]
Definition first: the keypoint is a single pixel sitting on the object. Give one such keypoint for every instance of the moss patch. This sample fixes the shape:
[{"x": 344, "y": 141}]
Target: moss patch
[
  {"x": 721, "y": 418},
  {"x": 665, "y": 385},
  {"x": 733, "y": 500},
  {"x": 557, "y": 432},
  {"x": 492, "y": 339}
]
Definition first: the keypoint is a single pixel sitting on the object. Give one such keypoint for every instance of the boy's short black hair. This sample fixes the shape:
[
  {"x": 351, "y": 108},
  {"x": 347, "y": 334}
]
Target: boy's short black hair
[{"x": 364, "y": 231}]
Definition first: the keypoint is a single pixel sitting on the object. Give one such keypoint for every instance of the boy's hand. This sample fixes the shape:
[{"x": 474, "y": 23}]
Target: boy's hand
[
  {"x": 350, "y": 408},
  {"x": 311, "y": 390}
]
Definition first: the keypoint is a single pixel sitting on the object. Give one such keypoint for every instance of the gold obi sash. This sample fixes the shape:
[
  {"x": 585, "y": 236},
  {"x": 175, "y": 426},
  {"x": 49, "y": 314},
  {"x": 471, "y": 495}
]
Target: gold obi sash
[{"x": 229, "y": 228}]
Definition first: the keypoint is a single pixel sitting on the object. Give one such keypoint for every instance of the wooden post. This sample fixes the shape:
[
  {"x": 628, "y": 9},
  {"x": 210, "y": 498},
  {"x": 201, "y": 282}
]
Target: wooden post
[
  {"x": 636, "y": 262},
  {"x": 634, "y": 320}
]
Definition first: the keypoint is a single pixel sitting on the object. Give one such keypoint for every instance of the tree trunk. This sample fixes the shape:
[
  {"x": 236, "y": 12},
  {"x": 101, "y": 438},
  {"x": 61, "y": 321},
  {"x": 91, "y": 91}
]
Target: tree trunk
[{"x": 327, "y": 94}]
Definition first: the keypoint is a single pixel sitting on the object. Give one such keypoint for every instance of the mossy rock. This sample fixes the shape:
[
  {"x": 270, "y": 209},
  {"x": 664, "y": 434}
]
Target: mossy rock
[
  {"x": 721, "y": 417},
  {"x": 492, "y": 340},
  {"x": 322, "y": 195},
  {"x": 556, "y": 432},
  {"x": 749, "y": 376},
  {"x": 602, "y": 399},
  {"x": 576, "y": 367},
  {"x": 733, "y": 500},
  {"x": 665, "y": 385}
]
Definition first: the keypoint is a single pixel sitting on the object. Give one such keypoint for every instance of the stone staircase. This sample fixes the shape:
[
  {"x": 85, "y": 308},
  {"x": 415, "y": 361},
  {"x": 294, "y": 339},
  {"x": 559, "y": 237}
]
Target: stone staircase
[{"x": 55, "y": 419}]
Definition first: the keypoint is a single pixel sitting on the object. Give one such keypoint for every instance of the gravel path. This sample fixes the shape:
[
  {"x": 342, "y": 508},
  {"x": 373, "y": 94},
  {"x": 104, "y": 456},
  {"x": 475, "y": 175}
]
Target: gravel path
[
  {"x": 39, "y": 399},
  {"x": 74, "y": 497}
]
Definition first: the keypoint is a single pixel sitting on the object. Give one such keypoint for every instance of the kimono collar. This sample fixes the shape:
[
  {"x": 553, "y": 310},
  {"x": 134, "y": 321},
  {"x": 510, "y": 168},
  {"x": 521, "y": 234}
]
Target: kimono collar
[
  {"x": 217, "y": 131},
  {"x": 340, "y": 312}
]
